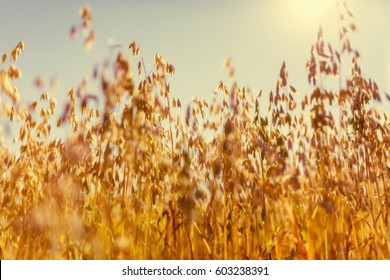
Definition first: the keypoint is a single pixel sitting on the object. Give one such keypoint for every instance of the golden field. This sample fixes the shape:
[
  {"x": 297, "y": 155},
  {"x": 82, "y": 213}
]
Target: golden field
[{"x": 243, "y": 176}]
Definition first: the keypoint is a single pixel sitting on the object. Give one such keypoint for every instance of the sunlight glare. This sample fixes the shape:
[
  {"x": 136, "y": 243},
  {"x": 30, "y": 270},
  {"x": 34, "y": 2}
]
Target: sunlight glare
[{"x": 311, "y": 11}]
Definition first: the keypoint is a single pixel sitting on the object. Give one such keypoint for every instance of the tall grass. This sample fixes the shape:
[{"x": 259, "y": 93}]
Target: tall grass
[{"x": 232, "y": 179}]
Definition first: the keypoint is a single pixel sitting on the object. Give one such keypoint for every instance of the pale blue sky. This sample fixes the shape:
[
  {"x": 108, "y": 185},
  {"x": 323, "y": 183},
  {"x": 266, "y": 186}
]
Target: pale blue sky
[{"x": 195, "y": 36}]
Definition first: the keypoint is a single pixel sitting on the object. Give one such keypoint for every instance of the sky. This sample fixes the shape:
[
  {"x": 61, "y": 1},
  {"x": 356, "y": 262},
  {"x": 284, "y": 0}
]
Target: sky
[{"x": 195, "y": 36}]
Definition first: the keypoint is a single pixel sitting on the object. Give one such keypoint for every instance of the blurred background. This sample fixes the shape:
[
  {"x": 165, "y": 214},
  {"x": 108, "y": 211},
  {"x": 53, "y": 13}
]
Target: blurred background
[{"x": 195, "y": 36}]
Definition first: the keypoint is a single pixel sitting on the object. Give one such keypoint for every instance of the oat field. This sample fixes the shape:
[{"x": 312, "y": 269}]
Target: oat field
[{"x": 244, "y": 175}]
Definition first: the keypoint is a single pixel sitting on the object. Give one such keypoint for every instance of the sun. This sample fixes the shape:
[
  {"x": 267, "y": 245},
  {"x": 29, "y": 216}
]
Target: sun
[{"x": 311, "y": 11}]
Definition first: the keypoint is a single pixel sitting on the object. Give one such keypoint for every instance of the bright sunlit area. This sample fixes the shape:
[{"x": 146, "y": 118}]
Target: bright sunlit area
[{"x": 312, "y": 13}]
